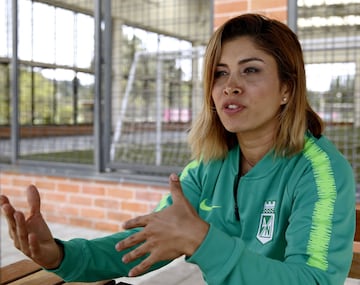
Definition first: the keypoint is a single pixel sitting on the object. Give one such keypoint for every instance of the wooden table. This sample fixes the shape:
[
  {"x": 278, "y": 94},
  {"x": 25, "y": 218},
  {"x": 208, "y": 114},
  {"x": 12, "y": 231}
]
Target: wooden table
[
  {"x": 29, "y": 273},
  {"x": 355, "y": 265}
]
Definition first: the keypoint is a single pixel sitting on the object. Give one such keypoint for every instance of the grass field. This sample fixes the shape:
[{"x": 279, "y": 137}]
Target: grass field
[
  {"x": 345, "y": 137},
  {"x": 172, "y": 155}
]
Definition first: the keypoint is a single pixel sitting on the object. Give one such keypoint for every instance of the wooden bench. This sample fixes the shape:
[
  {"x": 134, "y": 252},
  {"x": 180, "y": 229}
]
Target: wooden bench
[
  {"x": 27, "y": 272},
  {"x": 355, "y": 265}
]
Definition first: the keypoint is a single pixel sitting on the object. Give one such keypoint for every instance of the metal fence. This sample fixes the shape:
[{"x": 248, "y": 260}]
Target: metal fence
[
  {"x": 115, "y": 84},
  {"x": 330, "y": 37}
]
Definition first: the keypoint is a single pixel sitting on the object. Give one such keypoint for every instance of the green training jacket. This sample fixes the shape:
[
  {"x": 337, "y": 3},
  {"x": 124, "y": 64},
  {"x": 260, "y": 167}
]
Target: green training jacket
[{"x": 294, "y": 224}]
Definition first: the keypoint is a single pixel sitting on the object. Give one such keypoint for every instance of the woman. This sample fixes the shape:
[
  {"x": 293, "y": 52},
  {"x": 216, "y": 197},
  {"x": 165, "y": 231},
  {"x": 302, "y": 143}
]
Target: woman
[{"x": 267, "y": 197}]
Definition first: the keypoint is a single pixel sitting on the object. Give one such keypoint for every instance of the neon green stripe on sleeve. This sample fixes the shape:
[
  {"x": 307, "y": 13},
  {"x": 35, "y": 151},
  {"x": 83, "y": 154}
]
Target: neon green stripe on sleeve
[
  {"x": 192, "y": 164},
  {"x": 320, "y": 232},
  {"x": 163, "y": 203},
  {"x": 166, "y": 200}
]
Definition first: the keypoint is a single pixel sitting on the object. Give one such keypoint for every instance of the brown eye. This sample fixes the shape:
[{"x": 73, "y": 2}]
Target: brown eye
[
  {"x": 220, "y": 73},
  {"x": 250, "y": 70}
]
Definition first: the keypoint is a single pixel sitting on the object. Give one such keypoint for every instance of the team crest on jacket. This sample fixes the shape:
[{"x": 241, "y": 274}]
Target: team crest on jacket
[{"x": 266, "y": 223}]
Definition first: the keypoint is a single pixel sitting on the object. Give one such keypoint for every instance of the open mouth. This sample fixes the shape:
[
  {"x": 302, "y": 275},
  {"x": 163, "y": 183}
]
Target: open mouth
[{"x": 232, "y": 107}]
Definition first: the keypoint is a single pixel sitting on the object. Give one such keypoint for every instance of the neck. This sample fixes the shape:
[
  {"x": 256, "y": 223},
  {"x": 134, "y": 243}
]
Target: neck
[
  {"x": 245, "y": 165},
  {"x": 253, "y": 150}
]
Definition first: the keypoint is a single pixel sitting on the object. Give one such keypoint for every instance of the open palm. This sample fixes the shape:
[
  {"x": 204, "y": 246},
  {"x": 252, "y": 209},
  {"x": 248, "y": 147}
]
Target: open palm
[{"x": 32, "y": 235}]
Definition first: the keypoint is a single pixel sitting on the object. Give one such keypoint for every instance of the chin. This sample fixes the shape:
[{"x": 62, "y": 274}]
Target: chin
[{"x": 234, "y": 130}]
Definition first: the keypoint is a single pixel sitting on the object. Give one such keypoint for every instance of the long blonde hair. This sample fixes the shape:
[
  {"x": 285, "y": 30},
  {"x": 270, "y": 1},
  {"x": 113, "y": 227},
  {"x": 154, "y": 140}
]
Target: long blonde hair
[{"x": 208, "y": 138}]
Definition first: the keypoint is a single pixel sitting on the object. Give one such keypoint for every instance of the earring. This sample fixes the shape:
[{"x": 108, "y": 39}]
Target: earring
[{"x": 284, "y": 99}]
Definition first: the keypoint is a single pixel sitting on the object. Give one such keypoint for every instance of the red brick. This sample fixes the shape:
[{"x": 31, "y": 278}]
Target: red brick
[
  {"x": 80, "y": 200},
  {"x": 12, "y": 192},
  {"x": 135, "y": 207},
  {"x": 59, "y": 179},
  {"x": 43, "y": 184},
  {"x": 224, "y": 10},
  {"x": 92, "y": 189},
  {"x": 92, "y": 213},
  {"x": 49, "y": 209},
  {"x": 52, "y": 196},
  {"x": 5, "y": 179},
  {"x": 81, "y": 222},
  {"x": 161, "y": 189},
  {"x": 65, "y": 205},
  {"x": 68, "y": 187},
  {"x": 22, "y": 182},
  {"x": 268, "y": 4},
  {"x": 219, "y": 20},
  {"x": 280, "y": 15},
  {"x": 230, "y": 7},
  {"x": 56, "y": 219},
  {"x": 118, "y": 192},
  {"x": 17, "y": 198},
  {"x": 69, "y": 210},
  {"x": 107, "y": 203},
  {"x": 118, "y": 216},
  {"x": 149, "y": 196}
]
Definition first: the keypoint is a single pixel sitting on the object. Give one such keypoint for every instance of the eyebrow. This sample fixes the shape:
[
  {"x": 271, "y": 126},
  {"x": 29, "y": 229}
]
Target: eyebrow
[{"x": 245, "y": 60}]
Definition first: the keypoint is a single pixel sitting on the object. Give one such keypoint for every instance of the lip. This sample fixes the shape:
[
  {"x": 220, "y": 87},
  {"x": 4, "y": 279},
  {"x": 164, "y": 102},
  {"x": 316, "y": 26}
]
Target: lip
[{"x": 232, "y": 107}]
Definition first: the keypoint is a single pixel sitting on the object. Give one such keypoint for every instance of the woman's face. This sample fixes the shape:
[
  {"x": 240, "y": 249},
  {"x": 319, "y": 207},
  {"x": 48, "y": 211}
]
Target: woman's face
[{"x": 247, "y": 92}]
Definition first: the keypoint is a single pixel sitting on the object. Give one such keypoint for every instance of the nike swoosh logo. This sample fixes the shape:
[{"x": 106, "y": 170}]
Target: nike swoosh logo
[{"x": 207, "y": 208}]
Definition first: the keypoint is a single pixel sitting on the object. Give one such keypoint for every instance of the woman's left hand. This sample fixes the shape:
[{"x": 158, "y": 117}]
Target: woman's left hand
[{"x": 175, "y": 231}]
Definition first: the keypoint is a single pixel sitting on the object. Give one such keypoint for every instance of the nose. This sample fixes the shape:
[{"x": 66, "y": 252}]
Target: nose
[
  {"x": 233, "y": 85},
  {"x": 232, "y": 91}
]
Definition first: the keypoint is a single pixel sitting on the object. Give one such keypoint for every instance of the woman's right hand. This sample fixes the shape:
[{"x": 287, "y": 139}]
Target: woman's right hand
[{"x": 32, "y": 235}]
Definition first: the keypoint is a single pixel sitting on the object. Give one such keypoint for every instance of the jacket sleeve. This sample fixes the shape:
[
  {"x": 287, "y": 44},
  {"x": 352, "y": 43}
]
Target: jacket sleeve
[
  {"x": 226, "y": 259},
  {"x": 96, "y": 259}
]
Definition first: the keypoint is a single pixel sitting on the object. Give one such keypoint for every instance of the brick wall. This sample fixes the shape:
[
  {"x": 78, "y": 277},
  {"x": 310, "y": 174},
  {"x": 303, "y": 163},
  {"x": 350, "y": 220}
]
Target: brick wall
[
  {"x": 226, "y": 9},
  {"x": 90, "y": 203}
]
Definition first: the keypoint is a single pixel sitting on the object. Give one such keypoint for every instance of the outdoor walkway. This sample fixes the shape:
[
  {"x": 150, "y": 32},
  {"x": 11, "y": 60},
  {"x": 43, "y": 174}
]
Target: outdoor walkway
[{"x": 176, "y": 273}]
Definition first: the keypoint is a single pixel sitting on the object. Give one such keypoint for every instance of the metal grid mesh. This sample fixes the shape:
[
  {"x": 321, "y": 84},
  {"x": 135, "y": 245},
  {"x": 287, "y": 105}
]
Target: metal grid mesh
[
  {"x": 156, "y": 61},
  {"x": 55, "y": 53},
  {"x": 329, "y": 33},
  {"x": 156, "y": 108},
  {"x": 5, "y": 53},
  {"x": 157, "y": 71}
]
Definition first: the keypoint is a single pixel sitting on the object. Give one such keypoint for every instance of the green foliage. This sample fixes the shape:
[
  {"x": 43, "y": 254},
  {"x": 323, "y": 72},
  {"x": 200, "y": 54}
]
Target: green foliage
[
  {"x": 44, "y": 101},
  {"x": 75, "y": 156},
  {"x": 4, "y": 95},
  {"x": 342, "y": 89}
]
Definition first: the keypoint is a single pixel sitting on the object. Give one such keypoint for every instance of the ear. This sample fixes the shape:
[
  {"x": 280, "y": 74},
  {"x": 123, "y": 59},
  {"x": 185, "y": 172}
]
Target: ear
[{"x": 284, "y": 94}]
